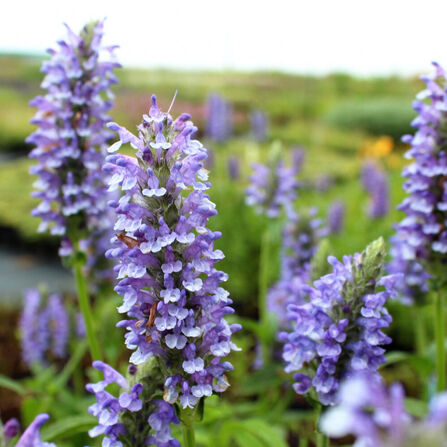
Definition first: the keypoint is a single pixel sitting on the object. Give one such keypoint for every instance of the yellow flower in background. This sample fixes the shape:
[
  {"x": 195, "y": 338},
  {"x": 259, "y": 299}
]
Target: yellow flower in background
[{"x": 378, "y": 148}]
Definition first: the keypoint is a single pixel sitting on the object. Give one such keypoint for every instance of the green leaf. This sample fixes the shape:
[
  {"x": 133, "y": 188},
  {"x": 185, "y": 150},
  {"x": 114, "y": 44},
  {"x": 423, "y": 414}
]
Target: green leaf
[
  {"x": 416, "y": 407},
  {"x": 419, "y": 363},
  {"x": 71, "y": 365},
  {"x": 13, "y": 385},
  {"x": 270, "y": 435},
  {"x": 67, "y": 427}
]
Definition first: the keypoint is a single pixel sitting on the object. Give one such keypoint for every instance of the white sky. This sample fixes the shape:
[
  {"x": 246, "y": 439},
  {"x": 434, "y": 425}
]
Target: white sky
[{"x": 363, "y": 37}]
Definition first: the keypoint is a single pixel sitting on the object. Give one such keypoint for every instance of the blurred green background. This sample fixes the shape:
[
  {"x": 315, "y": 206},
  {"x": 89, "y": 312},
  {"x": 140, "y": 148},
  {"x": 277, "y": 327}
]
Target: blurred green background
[{"x": 337, "y": 119}]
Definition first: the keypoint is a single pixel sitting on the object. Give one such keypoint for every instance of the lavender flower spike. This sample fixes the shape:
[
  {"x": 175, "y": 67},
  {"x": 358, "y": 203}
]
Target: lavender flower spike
[
  {"x": 376, "y": 416},
  {"x": 219, "y": 118},
  {"x": 172, "y": 295},
  {"x": 259, "y": 125},
  {"x": 339, "y": 330},
  {"x": 336, "y": 217},
  {"x": 272, "y": 188},
  {"x": 300, "y": 241},
  {"x": 375, "y": 182},
  {"x": 71, "y": 140},
  {"x": 34, "y": 328},
  {"x": 420, "y": 244}
]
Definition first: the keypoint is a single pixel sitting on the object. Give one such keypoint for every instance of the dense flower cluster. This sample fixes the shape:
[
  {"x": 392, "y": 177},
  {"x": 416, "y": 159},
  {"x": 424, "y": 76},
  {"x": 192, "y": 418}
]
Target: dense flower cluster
[
  {"x": 336, "y": 217},
  {"x": 259, "y": 125},
  {"x": 219, "y": 126},
  {"x": 71, "y": 140},
  {"x": 420, "y": 243},
  {"x": 339, "y": 329},
  {"x": 29, "y": 438},
  {"x": 300, "y": 239},
  {"x": 134, "y": 415},
  {"x": 44, "y": 327},
  {"x": 272, "y": 189},
  {"x": 171, "y": 289},
  {"x": 375, "y": 181},
  {"x": 376, "y": 416}
]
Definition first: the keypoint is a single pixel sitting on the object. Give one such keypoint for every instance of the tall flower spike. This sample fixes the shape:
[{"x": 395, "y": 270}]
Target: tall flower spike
[
  {"x": 71, "y": 140},
  {"x": 34, "y": 328},
  {"x": 420, "y": 243},
  {"x": 300, "y": 240},
  {"x": 219, "y": 126},
  {"x": 272, "y": 188},
  {"x": 259, "y": 125},
  {"x": 336, "y": 217},
  {"x": 375, "y": 182},
  {"x": 376, "y": 416},
  {"x": 339, "y": 330},
  {"x": 172, "y": 294},
  {"x": 44, "y": 327}
]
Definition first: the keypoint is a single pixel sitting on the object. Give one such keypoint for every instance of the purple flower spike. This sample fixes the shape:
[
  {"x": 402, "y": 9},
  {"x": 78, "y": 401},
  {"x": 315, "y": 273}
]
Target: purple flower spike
[
  {"x": 60, "y": 327},
  {"x": 259, "y": 124},
  {"x": 375, "y": 415},
  {"x": 34, "y": 329},
  {"x": 171, "y": 289},
  {"x": 336, "y": 217},
  {"x": 44, "y": 328},
  {"x": 420, "y": 243},
  {"x": 233, "y": 167},
  {"x": 70, "y": 143},
  {"x": 300, "y": 241},
  {"x": 272, "y": 188},
  {"x": 338, "y": 331},
  {"x": 376, "y": 182},
  {"x": 219, "y": 118}
]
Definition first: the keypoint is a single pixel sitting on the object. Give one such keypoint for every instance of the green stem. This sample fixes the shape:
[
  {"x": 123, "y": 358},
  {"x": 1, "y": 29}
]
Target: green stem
[
  {"x": 420, "y": 334},
  {"x": 303, "y": 442},
  {"x": 439, "y": 340},
  {"x": 188, "y": 435},
  {"x": 321, "y": 440},
  {"x": 263, "y": 288},
  {"x": 84, "y": 304}
]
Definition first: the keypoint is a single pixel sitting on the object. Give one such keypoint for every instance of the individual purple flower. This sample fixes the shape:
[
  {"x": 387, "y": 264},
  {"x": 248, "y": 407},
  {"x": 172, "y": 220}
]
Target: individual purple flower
[
  {"x": 59, "y": 325},
  {"x": 375, "y": 181},
  {"x": 219, "y": 126},
  {"x": 70, "y": 142},
  {"x": 420, "y": 244},
  {"x": 31, "y": 436},
  {"x": 34, "y": 328},
  {"x": 174, "y": 302},
  {"x": 11, "y": 429},
  {"x": 259, "y": 125},
  {"x": 233, "y": 167},
  {"x": 375, "y": 415},
  {"x": 133, "y": 416},
  {"x": 336, "y": 217},
  {"x": 338, "y": 331},
  {"x": 272, "y": 188},
  {"x": 300, "y": 240}
]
